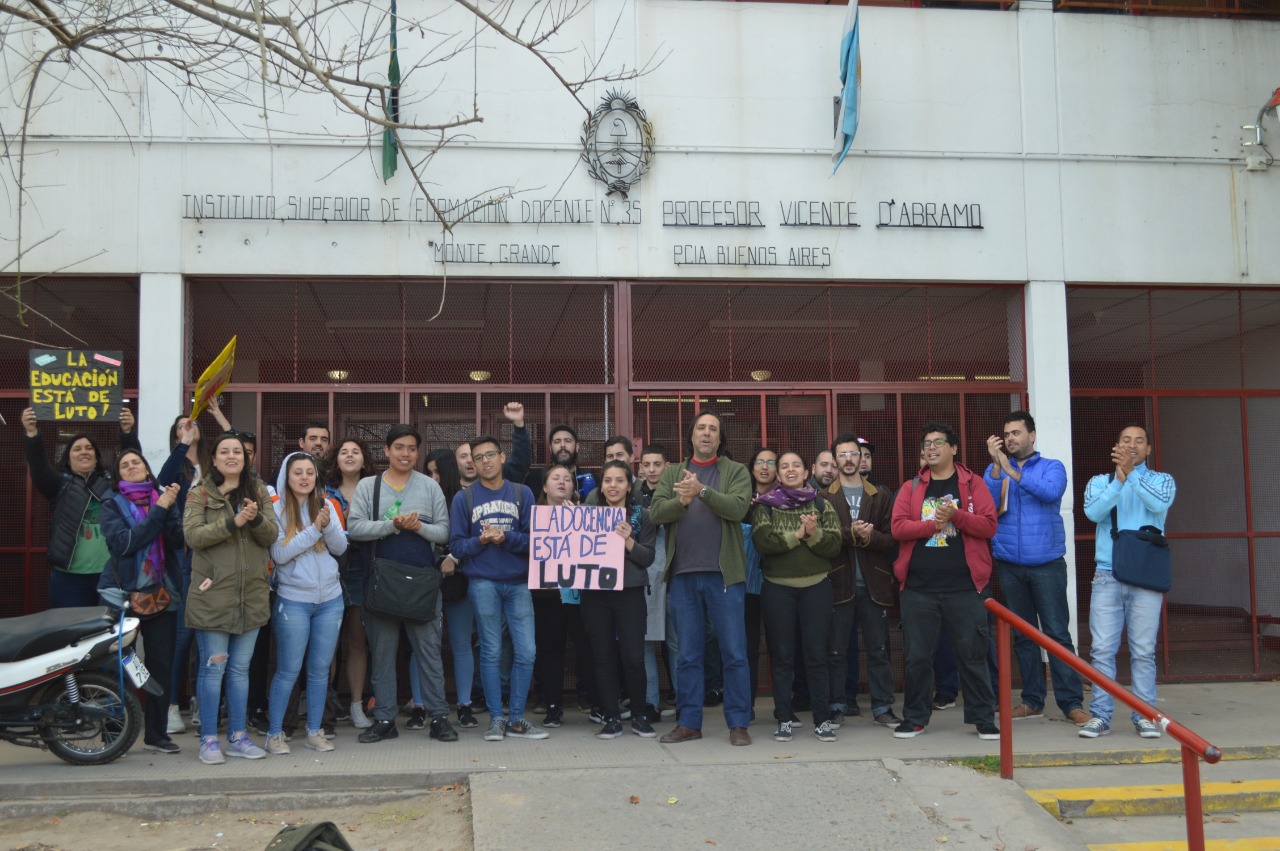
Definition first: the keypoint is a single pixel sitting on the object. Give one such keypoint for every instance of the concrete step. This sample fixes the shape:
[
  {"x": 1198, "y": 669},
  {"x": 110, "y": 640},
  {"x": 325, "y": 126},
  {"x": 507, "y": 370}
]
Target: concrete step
[
  {"x": 1133, "y": 789},
  {"x": 1254, "y": 843},
  {"x": 1157, "y": 799},
  {"x": 1228, "y": 832},
  {"x": 1138, "y": 756}
]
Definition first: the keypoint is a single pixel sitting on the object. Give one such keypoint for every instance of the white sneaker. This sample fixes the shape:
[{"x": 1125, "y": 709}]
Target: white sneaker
[
  {"x": 174, "y": 724},
  {"x": 277, "y": 745},
  {"x": 195, "y": 714},
  {"x": 358, "y": 718}
]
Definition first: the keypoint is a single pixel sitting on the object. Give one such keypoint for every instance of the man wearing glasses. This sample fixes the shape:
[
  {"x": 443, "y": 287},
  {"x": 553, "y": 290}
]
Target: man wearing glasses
[
  {"x": 1030, "y": 546},
  {"x": 944, "y": 520},
  {"x": 865, "y": 585},
  {"x": 489, "y": 536}
]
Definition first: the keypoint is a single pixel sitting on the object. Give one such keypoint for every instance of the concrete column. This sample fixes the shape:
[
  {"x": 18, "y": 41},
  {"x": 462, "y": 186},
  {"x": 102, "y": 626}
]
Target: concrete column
[
  {"x": 1049, "y": 386},
  {"x": 161, "y": 359},
  {"x": 1048, "y": 366}
]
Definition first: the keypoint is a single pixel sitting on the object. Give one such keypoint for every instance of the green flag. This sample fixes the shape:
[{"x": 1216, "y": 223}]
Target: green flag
[{"x": 389, "y": 152}]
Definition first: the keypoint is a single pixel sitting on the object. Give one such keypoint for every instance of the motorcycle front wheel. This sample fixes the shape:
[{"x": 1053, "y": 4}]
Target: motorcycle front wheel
[{"x": 98, "y": 738}]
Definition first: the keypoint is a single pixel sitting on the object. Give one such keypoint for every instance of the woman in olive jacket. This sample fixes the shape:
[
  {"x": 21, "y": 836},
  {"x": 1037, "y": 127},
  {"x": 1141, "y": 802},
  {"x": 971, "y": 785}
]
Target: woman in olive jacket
[
  {"x": 229, "y": 525},
  {"x": 797, "y": 535}
]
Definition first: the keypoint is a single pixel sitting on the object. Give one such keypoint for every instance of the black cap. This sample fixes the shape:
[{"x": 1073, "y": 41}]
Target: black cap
[
  {"x": 559, "y": 428},
  {"x": 867, "y": 445}
]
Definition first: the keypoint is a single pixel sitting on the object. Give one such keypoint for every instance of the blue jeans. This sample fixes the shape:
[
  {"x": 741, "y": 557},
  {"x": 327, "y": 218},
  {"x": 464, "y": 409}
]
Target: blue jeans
[
  {"x": 1114, "y": 608},
  {"x": 223, "y": 653},
  {"x": 310, "y": 630},
  {"x": 496, "y": 603},
  {"x": 184, "y": 639},
  {"x": 695, "y": 598},
  {"x": 652, "y": 694},
  {"x": 460, "y": 618},
  {"x": 1040, "y": 592}
]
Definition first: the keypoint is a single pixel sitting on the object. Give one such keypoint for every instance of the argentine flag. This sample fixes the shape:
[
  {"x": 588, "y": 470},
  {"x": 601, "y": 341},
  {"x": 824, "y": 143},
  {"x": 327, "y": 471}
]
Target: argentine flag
[{"x": 850, "y": 86}]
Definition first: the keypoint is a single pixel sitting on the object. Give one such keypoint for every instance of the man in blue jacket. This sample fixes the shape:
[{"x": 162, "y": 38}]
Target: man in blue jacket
[{"x": 1029, "y": 550}]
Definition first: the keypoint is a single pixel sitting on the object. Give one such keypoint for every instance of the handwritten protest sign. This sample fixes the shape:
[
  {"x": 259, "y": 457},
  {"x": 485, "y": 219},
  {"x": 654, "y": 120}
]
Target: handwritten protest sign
[
  {"x": 574, "y": 546},
  {"x": 70, "y": 386},
  {"x": 216, "y": 376}
]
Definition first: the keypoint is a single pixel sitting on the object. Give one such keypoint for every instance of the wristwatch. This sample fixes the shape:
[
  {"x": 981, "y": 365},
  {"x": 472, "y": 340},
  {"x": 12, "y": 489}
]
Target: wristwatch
[{"x": 702, "y": 494}]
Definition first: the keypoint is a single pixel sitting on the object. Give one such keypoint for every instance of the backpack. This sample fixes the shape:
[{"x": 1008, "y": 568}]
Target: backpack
[{"x": 321, "y": 836}]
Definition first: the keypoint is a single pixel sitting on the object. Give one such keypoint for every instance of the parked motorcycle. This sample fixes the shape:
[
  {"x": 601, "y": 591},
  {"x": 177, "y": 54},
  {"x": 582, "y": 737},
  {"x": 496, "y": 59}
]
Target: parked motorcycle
[{"x": 61, "y": 683}]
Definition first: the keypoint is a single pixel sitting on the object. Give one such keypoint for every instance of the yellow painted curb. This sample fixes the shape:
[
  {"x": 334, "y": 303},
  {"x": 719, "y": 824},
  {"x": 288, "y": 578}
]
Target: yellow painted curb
[
  {"x": 1248, "y": 796},
  {"x": 1253, "y": 843}
]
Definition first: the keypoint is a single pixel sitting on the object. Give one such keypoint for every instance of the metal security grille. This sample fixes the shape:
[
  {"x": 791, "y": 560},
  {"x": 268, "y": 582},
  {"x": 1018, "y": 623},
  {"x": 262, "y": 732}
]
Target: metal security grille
[
  {"x": 717, "y": 333},
  {"x": 73, "y": 313},
  {"x": 372, "y": 332},
  {"x": 1190, "y": 366}
]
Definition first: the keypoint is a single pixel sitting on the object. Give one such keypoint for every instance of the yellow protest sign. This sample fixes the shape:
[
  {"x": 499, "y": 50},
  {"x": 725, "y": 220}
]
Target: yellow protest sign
[{"x": 214, "y": 378}]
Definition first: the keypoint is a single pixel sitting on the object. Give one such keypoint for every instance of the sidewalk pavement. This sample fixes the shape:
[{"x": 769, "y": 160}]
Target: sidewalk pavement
[{"x": 573, "y": 788}]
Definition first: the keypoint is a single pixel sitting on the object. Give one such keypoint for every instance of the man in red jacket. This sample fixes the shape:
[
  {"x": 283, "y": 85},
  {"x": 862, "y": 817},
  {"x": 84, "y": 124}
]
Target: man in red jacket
[{"x": 944, "y": 520}]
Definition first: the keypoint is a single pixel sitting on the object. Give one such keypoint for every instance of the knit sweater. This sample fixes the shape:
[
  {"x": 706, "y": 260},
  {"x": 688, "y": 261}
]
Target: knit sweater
[{"x": 782, "y": 554}]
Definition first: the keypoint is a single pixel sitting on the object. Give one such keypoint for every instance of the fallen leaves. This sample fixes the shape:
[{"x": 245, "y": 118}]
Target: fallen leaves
[{"x": 635, "y": 799}]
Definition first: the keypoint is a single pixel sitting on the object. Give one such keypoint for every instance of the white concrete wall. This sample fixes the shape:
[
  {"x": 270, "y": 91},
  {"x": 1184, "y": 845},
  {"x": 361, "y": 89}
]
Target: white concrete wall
[{"x": 1107, "y": 144}]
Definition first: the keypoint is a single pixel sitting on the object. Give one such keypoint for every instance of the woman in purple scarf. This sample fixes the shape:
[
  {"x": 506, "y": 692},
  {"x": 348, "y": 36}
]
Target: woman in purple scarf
[
  {"x": 797, "y": 535},
  {"x": 143, "y": 532}
]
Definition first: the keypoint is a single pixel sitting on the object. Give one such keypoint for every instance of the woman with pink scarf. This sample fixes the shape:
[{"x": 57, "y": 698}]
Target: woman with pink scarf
[{"x": 143, "y": 532}]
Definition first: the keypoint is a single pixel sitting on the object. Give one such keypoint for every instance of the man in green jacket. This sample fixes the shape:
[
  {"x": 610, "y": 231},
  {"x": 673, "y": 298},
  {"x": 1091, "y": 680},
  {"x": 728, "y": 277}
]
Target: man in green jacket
[{"x": 702, "y": 502}]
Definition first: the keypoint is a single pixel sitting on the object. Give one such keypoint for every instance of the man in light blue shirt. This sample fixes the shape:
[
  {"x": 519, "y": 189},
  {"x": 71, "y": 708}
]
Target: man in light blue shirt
[{"x": 1141, "y": 497}]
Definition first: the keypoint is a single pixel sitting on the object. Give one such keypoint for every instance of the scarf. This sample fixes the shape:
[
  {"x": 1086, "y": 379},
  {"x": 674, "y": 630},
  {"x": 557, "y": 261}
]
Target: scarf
[
  {"x": 783, "y": 497},
  {"x": 142, "y": 496}
]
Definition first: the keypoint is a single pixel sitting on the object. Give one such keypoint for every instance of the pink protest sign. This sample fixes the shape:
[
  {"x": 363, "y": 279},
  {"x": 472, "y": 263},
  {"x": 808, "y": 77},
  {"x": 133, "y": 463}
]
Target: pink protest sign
[{"x": 574, "y": 546}]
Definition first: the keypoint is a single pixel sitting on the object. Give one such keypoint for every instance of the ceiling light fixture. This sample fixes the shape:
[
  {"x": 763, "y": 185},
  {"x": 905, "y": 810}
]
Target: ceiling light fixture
[
  {"x": 480, "y": 375},
  {"x": 761, "y": 374},
  {"x": 338, "y": 374}
]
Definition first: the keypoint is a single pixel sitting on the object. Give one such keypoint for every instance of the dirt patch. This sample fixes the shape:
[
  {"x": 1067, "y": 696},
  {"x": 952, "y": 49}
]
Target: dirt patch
[{"x": 439, "y": 820}]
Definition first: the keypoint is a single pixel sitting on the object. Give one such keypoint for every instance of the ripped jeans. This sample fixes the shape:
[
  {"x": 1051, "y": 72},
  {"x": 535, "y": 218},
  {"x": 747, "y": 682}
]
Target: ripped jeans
[{"x": 232, "y": 654}]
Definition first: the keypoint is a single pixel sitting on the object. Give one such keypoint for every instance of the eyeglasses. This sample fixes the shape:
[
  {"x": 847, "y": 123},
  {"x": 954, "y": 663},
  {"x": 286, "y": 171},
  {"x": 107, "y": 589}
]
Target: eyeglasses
[
  {"x": 937, "y": 442},
  {"x": 848, "y": 454},
  {"x": 485, "y": 456},
  {"x": 765, "y": 462},
  {"x": 245, "y": 436}
]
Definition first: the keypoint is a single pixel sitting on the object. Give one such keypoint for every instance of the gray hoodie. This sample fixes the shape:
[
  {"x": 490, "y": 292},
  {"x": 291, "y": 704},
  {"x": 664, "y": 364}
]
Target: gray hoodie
[{"x": 301, "y": 573}]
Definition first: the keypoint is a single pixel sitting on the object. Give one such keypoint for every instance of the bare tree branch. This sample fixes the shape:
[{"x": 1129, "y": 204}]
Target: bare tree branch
[{"x": 215, "y": 55}]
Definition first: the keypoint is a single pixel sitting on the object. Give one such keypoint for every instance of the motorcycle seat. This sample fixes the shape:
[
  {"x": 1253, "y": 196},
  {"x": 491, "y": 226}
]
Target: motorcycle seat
[{"x": 32, "y": 635}]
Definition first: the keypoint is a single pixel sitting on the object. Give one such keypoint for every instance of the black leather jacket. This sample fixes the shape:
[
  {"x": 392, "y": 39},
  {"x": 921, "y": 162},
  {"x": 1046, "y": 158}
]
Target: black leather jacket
[{"x": 68, "y": 495}]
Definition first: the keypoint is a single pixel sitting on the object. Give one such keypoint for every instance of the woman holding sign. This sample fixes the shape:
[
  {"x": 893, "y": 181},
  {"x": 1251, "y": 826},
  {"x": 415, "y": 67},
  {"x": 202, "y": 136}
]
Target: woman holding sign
[
  {"x": 797, "y": 535},
  {"x": 615, "y": 619},
  {"x": 557, "y": 617},
  {"x": 229, "y": 525},
  {"x": 76, "y": 489}
]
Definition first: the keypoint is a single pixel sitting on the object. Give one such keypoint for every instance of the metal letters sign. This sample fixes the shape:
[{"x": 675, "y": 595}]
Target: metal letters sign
[{"x": 617, "y": 143}]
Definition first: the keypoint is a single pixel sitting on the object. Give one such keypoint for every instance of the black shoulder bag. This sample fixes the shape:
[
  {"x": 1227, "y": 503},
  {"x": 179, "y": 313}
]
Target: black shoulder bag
[
  {"x": 1140, "y": 557},
  {"x": 398, "y": 590}
]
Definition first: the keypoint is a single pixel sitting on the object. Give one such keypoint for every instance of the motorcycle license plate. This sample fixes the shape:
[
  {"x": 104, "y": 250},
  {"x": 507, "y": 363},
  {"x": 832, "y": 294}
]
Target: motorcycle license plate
[{"x": 136, "y": 670}]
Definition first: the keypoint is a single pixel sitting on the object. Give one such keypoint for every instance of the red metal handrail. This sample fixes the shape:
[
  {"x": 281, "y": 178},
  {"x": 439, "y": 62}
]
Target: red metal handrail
[{"x": 1194, "y": 748}]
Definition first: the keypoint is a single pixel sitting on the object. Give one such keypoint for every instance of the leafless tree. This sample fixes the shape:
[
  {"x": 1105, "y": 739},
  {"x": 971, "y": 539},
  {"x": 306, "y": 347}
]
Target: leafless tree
[{"x": 213, "y": 55}]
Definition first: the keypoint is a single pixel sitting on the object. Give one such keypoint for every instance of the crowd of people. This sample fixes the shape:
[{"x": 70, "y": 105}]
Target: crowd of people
[{"x": 813, "y": 550}]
